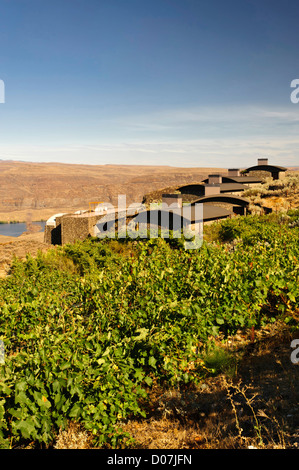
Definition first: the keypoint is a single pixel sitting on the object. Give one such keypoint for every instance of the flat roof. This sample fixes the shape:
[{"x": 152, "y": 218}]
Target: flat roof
[
  {"x": 245, "y": 179},
  {"x": 228, "y": 187},
  {"x": 211, "y": 212}
]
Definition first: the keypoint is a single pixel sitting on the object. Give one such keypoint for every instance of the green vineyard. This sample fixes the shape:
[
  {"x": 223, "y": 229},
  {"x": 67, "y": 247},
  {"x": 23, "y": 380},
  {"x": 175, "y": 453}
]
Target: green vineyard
[{"x": 89, "y": 328}]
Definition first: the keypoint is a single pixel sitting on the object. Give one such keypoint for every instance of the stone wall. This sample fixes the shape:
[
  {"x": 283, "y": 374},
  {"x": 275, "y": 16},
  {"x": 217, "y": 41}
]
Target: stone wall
[
  {"x": 75, "y": 228},
  {"x": 70, "y": 228}
]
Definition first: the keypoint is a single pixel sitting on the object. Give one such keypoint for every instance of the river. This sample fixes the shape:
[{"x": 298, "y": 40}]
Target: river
[{"x": 14, "y": 230}]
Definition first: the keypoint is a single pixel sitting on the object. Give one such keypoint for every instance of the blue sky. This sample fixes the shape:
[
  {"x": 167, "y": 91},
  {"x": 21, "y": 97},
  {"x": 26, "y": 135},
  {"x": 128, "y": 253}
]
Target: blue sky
[{"x": 163, "y": 82}]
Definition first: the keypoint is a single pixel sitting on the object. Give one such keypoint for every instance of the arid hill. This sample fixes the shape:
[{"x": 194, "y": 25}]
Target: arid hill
[{"x": 37, "y": 190}]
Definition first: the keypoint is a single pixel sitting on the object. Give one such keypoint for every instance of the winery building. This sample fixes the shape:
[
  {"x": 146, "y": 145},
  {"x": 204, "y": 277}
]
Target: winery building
[{"x": 220, "y": 195}]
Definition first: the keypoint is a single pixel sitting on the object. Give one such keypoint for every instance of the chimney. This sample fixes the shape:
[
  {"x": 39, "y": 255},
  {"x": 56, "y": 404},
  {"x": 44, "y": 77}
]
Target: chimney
[
  {"x": 215, "y": 179},
  {"x": 233, "y": 172},
  {"x": 211, "y": 189},
  {"x": 169, "y": 199},
  {"x": 262, "y": 161}
]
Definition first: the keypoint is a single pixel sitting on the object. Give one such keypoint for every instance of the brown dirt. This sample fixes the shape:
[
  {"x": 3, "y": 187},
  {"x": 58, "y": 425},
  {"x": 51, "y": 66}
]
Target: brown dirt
[
  {"x": 256, "y": 407},
  {"x": 19, "y": 247}
]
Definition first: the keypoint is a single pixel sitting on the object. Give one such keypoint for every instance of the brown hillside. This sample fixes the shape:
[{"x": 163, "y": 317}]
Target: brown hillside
[{"x": 37, "y": 190}]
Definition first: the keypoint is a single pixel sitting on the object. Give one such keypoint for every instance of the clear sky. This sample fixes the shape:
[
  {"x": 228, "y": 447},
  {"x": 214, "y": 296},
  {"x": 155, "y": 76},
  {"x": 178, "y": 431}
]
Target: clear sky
[{"x": 163, "y": 82}]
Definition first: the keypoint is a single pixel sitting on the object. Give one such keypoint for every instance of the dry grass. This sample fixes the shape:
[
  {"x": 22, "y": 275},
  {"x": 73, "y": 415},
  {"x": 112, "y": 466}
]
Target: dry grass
[
  {"x": 74, "y": 437},
  {"x": 257, "y": 407},
  {"x": 279, "y": 195},
  {"x": 19, "y": 247}
]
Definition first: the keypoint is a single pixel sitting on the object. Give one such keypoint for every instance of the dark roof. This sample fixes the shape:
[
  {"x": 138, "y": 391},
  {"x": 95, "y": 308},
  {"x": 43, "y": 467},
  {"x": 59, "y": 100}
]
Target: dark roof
[
  {"x": 238, "y": 179},
  {"x": 211, "y": 212},
  {"x": 270, "y": 168},
  {"x": 245, "y": 179},
  {"x": 199, "y": 189},
  {"x": 195, "y": 189},
  {"x": 227, "y": 198},
  {"x": 181, "y": 217}
]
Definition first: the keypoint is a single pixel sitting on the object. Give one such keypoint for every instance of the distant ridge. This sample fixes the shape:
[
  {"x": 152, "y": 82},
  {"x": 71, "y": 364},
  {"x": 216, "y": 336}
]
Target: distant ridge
[{"x": 37, "y": 190}]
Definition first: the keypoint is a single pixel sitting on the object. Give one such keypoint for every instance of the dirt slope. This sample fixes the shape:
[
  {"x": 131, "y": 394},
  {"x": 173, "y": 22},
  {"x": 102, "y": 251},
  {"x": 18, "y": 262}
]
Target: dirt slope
[
  {"x": 37, "y": 190},
  {"x": 19, "y": 246}
]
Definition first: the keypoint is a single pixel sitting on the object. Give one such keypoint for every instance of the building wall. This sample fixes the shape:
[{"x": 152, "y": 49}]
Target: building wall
[
  {"x": 233, "y": 172},
  {"x": 52, "y": 234},
  {"x": 70, "y": 228},
  {"x": 47, "y": 234},
  {"x": 211, "y": 189},
  {"x": 262, "y": 161},
  {"x": 75, "y": 228},
  {"x": 281, "y": 175},
  {"x": 215, "y": 179},
  {"x": 170, "y": 199}
]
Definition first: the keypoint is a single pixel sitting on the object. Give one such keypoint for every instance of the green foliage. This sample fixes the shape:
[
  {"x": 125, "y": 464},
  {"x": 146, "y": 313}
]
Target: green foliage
[
  {"x": 88, "y": 328},
  {"x": 218, "y": 360},
  {"x": 272, "y": 187},
  {"x": 228, "y": 231}
]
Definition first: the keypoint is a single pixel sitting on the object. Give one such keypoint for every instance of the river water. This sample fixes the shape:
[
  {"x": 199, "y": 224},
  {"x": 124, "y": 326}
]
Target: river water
[{"x": 14, "y": 230}]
